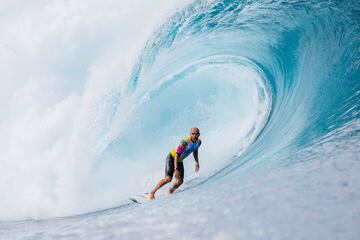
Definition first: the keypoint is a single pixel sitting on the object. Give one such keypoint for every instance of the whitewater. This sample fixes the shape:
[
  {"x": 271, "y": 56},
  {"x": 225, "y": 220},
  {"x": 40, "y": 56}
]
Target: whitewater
[{"x": 94, "y": 96}]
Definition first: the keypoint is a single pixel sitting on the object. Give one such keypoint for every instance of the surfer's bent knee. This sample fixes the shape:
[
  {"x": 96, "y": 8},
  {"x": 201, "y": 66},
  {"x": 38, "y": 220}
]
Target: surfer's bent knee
[{"x": 167, "y": 178}]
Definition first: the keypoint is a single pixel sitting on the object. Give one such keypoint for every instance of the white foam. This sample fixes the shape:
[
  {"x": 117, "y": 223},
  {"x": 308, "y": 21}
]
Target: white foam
[{"x": 59, "y": 60}]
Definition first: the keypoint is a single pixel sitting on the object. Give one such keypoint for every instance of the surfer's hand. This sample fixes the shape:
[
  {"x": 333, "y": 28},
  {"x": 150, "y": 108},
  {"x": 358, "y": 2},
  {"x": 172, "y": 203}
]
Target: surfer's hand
[
  {"x": 197, "y": 166},
  {"x": 177, "y": 173}
]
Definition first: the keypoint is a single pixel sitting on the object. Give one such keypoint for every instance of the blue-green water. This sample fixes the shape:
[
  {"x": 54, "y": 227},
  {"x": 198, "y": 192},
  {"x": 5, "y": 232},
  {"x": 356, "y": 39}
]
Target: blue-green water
[{"x": 274, "y": 87}]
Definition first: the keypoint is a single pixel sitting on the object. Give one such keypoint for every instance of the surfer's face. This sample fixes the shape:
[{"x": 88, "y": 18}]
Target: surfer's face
[{"x": 194, "y": 134}]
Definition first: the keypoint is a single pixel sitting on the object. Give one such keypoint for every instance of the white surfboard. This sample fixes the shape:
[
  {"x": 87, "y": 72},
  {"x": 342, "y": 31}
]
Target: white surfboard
[{"x": 139, "y": 198}]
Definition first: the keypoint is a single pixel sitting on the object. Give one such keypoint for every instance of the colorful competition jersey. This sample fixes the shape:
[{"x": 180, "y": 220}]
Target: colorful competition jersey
[{"x": 185, "y": 147}]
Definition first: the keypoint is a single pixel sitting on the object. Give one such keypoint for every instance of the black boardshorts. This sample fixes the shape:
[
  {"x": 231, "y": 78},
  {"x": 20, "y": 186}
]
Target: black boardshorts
[{"x": 169, "y": 169}]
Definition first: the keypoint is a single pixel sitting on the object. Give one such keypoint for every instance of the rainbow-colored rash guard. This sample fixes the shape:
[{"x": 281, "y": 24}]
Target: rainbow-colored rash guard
[{"x": 185, "y": 147}]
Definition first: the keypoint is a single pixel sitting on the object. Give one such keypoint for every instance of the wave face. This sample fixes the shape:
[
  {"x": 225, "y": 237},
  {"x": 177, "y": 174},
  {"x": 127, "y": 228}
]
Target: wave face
[
  {"x": 303, "y": 58},
  {"x": 272, "y": 85}
]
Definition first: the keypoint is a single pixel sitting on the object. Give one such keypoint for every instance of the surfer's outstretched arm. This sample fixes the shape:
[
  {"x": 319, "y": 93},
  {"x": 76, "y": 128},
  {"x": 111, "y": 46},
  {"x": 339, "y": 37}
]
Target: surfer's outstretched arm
[{"x": 196, "y": 157}]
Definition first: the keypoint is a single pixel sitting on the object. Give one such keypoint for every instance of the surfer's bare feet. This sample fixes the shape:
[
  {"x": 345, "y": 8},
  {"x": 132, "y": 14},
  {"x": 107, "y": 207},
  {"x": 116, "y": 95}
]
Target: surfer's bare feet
[{"x": 151, "y": 196}]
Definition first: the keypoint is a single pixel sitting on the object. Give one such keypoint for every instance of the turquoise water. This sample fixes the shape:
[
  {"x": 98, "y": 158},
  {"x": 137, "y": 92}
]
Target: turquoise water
[{"x": 274, "y": 87}]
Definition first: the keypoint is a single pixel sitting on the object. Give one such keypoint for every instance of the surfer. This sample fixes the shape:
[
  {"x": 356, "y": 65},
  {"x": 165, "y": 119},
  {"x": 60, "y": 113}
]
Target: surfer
[{"x": 174, "y": 161}]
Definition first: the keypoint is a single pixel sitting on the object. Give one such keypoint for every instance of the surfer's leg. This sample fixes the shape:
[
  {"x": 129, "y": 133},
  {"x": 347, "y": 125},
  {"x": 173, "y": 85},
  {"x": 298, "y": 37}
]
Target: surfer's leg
[
  {"x": 169, "y": 171},
  {"x": 161, "y": 183},
  {"x": 179, "y": 180}
]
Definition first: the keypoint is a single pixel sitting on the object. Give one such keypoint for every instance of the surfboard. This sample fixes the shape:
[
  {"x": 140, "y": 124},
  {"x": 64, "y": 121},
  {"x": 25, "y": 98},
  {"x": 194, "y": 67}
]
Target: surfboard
[{"x": 139, "y": 198}]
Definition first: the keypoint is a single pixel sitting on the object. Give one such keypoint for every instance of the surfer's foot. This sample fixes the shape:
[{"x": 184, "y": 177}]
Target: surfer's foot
[
  {"x": 171, "y": 190},
  {"x": 151, "y": 196}
]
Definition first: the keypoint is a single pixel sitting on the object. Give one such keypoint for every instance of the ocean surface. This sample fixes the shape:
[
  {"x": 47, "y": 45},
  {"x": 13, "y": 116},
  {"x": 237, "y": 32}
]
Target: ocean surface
[{"x": 94, "y": 95}]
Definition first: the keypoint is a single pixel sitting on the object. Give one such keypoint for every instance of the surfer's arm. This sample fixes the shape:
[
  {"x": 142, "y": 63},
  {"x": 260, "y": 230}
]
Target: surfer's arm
[
  {"x": 196, "y": 157},
  {"x": 176, "y": 171},
  {"x": 176, "y": 160},
  {"x": 180, "y": 149}
]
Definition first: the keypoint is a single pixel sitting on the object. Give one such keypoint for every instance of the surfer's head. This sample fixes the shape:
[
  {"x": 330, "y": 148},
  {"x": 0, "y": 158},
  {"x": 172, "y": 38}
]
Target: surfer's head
[{"x": 194, "y": 134}]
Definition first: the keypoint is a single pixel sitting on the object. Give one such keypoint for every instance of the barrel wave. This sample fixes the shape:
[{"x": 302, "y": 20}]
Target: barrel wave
[{"x": 274, "y": 87}]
